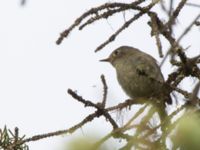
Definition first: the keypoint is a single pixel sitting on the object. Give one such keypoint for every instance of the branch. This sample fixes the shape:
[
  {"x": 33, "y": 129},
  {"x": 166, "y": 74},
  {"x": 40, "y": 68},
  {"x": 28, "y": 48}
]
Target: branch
[
  {"x": 92, "y": 11},
  {"x": 176, "y": 13},
  {"x": 105, "y": 90},
  {"x": 125, "y": 25}
]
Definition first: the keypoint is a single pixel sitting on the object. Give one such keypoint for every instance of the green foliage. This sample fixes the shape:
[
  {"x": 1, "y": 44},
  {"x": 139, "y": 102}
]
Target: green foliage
[
  {"x": 84, "y": 144},
  {"x": 188, "y": 132}
]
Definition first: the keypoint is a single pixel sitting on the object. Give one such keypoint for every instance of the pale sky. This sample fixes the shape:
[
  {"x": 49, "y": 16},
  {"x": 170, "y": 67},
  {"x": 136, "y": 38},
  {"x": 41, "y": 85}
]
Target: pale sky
[{"x": 36, "y": 73}]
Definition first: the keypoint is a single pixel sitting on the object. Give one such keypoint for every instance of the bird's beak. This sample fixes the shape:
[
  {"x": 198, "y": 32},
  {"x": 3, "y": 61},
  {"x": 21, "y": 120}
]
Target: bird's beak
[{"x": 105, "y": 60}]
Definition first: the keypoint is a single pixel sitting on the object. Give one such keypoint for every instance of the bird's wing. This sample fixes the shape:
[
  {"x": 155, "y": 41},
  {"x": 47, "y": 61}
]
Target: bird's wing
[{"x": 148, "y": 66}]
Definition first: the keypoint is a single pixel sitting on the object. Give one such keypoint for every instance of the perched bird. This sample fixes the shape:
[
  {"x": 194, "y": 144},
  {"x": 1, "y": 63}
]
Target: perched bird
[{"x": 138, "y": 74}]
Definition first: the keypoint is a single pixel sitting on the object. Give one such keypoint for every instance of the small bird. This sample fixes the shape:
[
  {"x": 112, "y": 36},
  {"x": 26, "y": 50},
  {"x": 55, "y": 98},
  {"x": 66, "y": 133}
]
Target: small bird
[{"x": 138, "y": 74}]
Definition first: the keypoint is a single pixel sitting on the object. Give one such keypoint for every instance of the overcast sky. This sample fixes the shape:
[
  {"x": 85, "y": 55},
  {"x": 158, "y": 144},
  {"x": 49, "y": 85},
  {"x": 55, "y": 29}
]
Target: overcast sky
[{"x": 35, "y": 73}]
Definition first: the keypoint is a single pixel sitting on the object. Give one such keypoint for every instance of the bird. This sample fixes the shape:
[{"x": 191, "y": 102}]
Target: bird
[{"x": 138, "y": 74}]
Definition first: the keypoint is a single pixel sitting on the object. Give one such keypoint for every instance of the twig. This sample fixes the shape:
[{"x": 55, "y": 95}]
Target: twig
[
  {"x": 150, "y": 132},
  {"x": 193, "y": 5},
  {"x": 60, "y": 132},
  {"x": 180, "y": 38},
  {"x": 163, "y": 7},
  {"x": 170, "y": 14},
  {"x": 100, "y": 109},
  {"x": 188, "y": 28},
  {"x": 140, "y": 129},
  {"x": 126, "y": 104},
  {"x": 105, "y": 91},
  {"x": 112, "y": 37},
  {"x": 87, "y": 119},
  {"x": 124, "y": 26},
  {"x": 92, "y": 11},
  {"x": 121, "y": 129},
  {"x": 176, "y": 12},
  {"x": 155, "y": 32},
  {"x": 139, "y": 112},
  {"x": 108, "y": 14}
]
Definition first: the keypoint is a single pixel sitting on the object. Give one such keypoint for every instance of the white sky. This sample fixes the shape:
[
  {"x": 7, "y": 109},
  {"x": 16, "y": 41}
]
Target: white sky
[{"x": 35, "y": 73}]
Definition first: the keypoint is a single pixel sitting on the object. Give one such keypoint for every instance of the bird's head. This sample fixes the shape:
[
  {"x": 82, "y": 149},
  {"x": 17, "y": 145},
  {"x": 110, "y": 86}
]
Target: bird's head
[{"x": 119, "y": 55}]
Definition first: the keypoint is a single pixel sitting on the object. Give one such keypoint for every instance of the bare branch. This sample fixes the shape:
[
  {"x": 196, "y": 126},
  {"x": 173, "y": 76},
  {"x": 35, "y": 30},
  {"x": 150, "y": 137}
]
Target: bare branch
[
  {"x": 92, "y": 11},
  {"x": 188, "y": 28},
  {"x": 105, "y": 91},
  {"x": 193, "y": 5},
  {"x": 124, "y": 26},
  {"x": 100, "y": 109},
  {"x": 155, "y": 32},
  {"x": 176, "y": 12}
]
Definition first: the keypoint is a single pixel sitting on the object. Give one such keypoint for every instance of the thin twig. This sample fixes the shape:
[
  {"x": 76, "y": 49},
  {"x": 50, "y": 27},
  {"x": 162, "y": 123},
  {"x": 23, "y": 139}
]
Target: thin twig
[
  {"x": 188, "y": 28},
  {"x": 155, "y": 32},
  {"x": 193, "y": 5},
  {"x": 124, "y": 26},
  {"x": 180, "y": 38},
  {"x": 170, "y": 14},
  {"x": 70, "y": 130},
  {"x": 109, "y": 13},
  {"x": 176, "y": 13},
  {"x": 92, "y": 11},
  {"x": 60, "y": 132},
  {"x": 100, "y": 109},
  {"x": 105, "y": 91},
  {"x": 101, "y": 16}
]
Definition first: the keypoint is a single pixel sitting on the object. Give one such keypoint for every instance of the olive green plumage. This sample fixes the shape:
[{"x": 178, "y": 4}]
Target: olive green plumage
[{"x": 138, "y": 73}]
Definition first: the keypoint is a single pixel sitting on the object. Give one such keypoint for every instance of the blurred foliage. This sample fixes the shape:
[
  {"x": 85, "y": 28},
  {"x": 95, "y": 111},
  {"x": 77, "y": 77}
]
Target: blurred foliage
[
  {"x": 188, "y": 132},
  {"x": 81, "y": 143}
]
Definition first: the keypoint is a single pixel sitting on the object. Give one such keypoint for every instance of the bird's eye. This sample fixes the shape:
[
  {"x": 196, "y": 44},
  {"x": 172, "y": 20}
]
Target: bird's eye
[{"x": 116, "y": 53}]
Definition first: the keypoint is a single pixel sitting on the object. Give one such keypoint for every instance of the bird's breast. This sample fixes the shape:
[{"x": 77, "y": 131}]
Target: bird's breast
[{"x": 133, "y": 84}]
